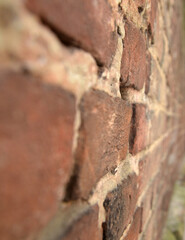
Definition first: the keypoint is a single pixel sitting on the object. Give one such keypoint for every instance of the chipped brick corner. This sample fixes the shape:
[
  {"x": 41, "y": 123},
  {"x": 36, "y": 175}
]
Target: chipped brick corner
[{"x": 91, "y": 118}]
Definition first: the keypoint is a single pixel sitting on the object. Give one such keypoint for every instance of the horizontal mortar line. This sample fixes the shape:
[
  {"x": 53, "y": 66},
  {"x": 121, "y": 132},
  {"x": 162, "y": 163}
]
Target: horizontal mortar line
[
  {"x": 151, "y": 147},
  {"x": 109, "y": 182},
  {"x": 157, "y": 105},
  {"x": 135, "y": 97}
]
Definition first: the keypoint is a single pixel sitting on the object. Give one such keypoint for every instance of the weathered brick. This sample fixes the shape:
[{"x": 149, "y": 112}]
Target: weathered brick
[
  {"x": 134, "y": 59},
  {"x": 36, "y": 126},
  {"x": 139, "y": 129},
  {"x": 136, "y": 226},
  {"x": 103, "y": 139},
  {"x": 87, "y": 24},
  {"x": 119, "y": 206}
]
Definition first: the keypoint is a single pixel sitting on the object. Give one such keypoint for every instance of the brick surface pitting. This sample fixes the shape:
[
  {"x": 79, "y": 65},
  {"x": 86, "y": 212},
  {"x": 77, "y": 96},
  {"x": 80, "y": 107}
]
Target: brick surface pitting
[{"x": 91, "y": 118}]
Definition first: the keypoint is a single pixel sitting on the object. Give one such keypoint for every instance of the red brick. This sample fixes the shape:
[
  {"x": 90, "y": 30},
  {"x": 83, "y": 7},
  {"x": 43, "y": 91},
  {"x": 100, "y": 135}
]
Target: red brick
[
  {"x": 136, "y": 226},
  {"x": 36, "y": 131},
  {"x": 134, "y": 59},
  {"x": 87, "y": 24},
  {"x": 119, "y": 206},
  {"x": 139, "y": 129},
  {"x": 103, "y": 139}
]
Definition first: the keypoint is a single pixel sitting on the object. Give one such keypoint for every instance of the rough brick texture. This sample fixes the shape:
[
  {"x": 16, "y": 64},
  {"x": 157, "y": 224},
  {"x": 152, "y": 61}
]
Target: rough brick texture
[
  {"x": 91, "y": 118},
  {"x": 102, "y": 141},
  {"x": 87, "y": 24}
]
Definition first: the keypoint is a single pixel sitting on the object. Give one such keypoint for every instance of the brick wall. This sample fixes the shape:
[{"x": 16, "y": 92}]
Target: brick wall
[{"x": 92, "y": 135}]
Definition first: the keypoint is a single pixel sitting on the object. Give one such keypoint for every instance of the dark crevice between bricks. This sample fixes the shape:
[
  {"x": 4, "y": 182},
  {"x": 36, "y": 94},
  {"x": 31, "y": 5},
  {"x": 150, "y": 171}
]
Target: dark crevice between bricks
[
  {"x": 66, "y": 40},
  {"x": 71, "y": 193},
  {"x": 150, "y": 34},
  {"x": 120, "y": 8},
  {"x": 118, "y": 31},
  {"x": 140, "y": 9},
  {"x": 132, "y": 128},
  {"x": 104, "y": 226}
]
